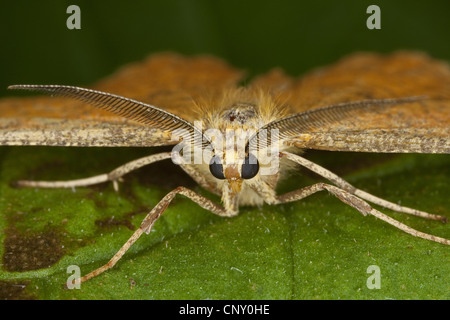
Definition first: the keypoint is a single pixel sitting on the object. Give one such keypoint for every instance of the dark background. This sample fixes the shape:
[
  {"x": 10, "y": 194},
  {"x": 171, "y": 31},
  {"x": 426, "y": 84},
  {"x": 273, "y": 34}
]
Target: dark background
[{"x": 37, "y": 47}]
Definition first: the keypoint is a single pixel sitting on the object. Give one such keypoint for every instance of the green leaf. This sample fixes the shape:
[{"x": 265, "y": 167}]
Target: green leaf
[{"x": 317, "y": 248}]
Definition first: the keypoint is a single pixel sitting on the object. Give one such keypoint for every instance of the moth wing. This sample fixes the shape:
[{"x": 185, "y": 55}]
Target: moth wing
[
  {"x": 168, "y": 81},
  {"x": 420, "y": 126}
]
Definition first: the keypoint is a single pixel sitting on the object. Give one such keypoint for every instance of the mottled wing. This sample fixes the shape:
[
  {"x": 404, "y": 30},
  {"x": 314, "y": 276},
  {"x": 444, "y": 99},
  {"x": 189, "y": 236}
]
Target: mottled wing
[
  {"x": 421, "y": 125},
  {"x": 167, "y": 81}
]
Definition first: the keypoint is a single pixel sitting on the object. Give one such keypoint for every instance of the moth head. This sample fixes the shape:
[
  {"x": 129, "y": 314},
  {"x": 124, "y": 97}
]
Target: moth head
[{"x": 236, "y": 171}]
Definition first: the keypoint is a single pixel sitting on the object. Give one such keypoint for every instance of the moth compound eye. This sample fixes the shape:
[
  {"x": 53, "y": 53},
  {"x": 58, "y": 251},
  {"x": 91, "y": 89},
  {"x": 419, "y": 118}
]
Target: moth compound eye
[
  {"x": 216, "y": 168},
  {"x": 250, "y": 167}
]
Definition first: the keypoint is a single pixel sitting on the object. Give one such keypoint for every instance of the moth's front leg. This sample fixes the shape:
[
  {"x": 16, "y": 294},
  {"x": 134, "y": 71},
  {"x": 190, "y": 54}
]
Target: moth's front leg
[
  {"x": 153, "y": 215},
  {"x": 362, "y": 206},
  {"x": 113, "y": 176}
]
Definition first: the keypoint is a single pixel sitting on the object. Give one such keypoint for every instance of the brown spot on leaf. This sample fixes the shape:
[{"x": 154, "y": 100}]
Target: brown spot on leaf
[
  {"x": 111, "y": 221},
  {"x": 125, "y": 221},
  {"x": 25, "y": 252},
  {"x": 15, "y": 290}
]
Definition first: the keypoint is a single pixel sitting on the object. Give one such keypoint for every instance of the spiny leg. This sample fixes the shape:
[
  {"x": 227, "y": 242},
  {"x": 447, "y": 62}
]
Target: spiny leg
[
  {"x": 362, "y": 206},
  {"x": 113, "y": 176},
  {"x": 362, "y": 194},
  {"x": 151, "y": 218}
]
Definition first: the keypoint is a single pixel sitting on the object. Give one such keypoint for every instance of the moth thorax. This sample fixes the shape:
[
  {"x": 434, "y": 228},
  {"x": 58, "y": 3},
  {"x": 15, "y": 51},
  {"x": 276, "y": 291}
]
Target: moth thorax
[{"x": 239, "y": 113}]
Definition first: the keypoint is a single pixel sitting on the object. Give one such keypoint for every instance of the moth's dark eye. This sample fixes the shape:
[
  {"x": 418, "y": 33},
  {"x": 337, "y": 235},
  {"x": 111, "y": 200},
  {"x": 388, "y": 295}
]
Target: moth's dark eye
[
  {"x": 216, "y": 168},
  {"x": 250, "y": 167}
]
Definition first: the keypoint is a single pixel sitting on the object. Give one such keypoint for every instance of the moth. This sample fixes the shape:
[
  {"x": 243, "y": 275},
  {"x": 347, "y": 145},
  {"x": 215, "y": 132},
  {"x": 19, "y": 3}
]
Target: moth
[{"x": 237, "y": 141}]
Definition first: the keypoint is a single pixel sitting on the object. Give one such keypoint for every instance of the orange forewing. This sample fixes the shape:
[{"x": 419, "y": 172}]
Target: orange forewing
[
  {"x": 402, "y": 128},
  {"x": 173, "y": 82},
  {"x": 168, "y": 81}
]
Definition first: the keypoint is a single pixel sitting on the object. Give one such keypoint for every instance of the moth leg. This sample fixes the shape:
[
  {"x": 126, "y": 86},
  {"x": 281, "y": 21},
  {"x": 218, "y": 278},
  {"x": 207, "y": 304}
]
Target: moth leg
[
  {"x": 113, "y": 176},
  {"x": 362, "y": 194},
  {"x": 151, "y": 218},
  {"x": 346, "y": 197}
]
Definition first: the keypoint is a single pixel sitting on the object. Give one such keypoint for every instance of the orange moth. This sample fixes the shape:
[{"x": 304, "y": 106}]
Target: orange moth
[{"x": 236, "y": 141}]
